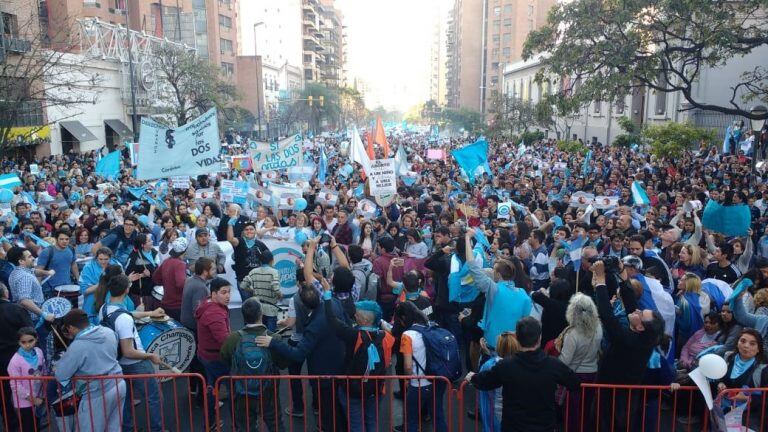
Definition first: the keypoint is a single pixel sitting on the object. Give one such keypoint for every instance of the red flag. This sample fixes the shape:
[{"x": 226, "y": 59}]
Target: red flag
[
  {"x": 369, "y": 149},
  {"x": 381, "y": 137}
]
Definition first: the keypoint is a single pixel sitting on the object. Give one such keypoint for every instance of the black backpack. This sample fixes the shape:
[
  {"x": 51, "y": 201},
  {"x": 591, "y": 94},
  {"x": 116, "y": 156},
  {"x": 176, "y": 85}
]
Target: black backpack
[
  {"x": 108, "y": 321},
  {"x": 358, "y": 365}
]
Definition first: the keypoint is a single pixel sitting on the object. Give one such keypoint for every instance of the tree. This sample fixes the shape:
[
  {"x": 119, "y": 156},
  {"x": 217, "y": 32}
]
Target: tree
[
  {"x": 510, "y": 115},
  {"x": 191, "y": 85},
  {"x": 464, "y": 118},
  {"x": 34, "y": 78},
  {"x": 612, "y": 47},
  {"x": 630, "y": 136},
  {"x": 352, "y": 107},
  {"x": 670, "y": 140}
]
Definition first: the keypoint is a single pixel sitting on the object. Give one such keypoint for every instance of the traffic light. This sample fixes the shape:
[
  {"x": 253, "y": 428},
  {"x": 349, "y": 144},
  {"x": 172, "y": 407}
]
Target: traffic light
[
  {"x": 322, "y": 100},
  {"x": 309, "y": 100}
]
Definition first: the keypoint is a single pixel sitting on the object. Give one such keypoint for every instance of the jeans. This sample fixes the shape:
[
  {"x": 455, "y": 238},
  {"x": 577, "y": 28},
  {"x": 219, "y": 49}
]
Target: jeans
[
  {"x": 214, "y": 369},
  {"x": 361, "y": 412},
  {"x": 147, "y": 389},
  {"x": 420, "y": 399},
  {"x": 270, "y": 322},
  {"x": 297, "y": 390}
]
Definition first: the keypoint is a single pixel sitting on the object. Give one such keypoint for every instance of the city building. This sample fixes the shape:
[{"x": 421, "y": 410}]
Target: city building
[
  {"x": 332, "y": 43},
  {"x": 507, "y": 24},
  {"x": 464, "y": 45},
  {"x": 598, "y": 121},
  {"x": 438, "y": 51}
]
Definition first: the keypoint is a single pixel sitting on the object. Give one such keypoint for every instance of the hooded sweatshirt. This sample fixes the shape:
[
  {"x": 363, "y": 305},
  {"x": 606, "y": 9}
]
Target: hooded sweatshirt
[
  {"x": 93, "y": 352},
  {"x": 528, "y": 382},
  {"x": 212, "y": 329}
]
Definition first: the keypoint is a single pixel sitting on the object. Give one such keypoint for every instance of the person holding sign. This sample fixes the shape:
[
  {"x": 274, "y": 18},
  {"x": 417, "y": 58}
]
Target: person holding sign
[{"x": 247, "y": 252}]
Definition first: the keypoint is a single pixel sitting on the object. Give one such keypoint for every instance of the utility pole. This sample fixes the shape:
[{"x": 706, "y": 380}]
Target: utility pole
[
  {"x": 260, "y": 79},
  {"x": 134, "y": 120}
]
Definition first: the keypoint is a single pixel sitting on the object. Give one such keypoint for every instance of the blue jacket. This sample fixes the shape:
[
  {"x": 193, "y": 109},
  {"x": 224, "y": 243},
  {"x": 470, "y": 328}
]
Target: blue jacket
[{"x": 323, "y": 350}]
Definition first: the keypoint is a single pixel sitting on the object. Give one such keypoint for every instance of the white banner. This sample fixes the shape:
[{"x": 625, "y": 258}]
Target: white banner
[
  {"x": 383, "y": 178},
  {"x": 192, "y": 149},
  {"x": 180, "y": 182}
]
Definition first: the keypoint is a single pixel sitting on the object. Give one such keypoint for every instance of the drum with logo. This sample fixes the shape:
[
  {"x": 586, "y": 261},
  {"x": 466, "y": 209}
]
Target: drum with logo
[
  {"x": 56, "y": 306},
  {"x": 71, "y": 293},
  {"x": 174, "y": 343}
]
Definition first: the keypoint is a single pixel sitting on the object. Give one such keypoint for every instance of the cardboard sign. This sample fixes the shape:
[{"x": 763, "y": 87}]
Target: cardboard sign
[
  {"x": 383, "y": 179},
  {"x": 180, "y": 182},
  {"x": 279, "y": 155},
  {"x": 234, "y": 191}
]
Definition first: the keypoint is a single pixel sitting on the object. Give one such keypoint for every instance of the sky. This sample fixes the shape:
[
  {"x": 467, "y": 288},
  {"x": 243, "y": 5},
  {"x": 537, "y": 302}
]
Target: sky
[{"x": 388, "y": 47}]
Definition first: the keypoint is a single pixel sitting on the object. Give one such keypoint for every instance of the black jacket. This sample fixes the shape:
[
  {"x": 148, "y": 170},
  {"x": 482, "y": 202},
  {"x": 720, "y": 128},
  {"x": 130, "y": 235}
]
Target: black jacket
[
  {"x": 440, "y": 265},
  {"x": 12, "y": 318},
  {"x": 625, "y": 360},
  {"x": 528, "y": 381}
]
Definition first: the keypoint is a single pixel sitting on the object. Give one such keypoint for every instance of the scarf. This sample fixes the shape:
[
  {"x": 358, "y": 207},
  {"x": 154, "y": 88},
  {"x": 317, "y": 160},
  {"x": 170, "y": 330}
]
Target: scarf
[
  {"x": 249, "y": 243},
  {"x": 29, "y": 356},
  {"x": 740, "y": 366}
]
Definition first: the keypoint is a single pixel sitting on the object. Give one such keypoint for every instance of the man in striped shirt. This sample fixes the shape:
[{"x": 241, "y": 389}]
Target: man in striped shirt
[
  {"x": 264, "y": 283},
  {"x": 540, "y": 258}
]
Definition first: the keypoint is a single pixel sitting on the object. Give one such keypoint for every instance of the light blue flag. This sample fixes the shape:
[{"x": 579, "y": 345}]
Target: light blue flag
[
  {"x": 323, "y": 166},
  {"x": 482, "y": 240},
  {"x": 359, "y": 191},
  {"x": 638, "y": 194},
  {"x": 733, "y": 220},
  {"x": 109, "y": 165},
  {"x": 192, "y": 149},
  {"x": 137, "y": 192},
  {"x": 574, "y": 251},
  {"x": 472, "y": 156},
  {"x": 9, "y": 181},
  {"x": 29, "y": 198},
  {"x": 585, "y": 169},
  {"x": 401, "y": 161},
  {"x": 38, "y": 241}
]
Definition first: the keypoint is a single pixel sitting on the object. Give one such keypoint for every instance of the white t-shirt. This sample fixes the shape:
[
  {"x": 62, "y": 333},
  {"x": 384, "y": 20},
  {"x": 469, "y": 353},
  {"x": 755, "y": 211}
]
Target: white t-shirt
[
  {"x": 412, "y": 342},
  {"x": 125, "y": 329}
]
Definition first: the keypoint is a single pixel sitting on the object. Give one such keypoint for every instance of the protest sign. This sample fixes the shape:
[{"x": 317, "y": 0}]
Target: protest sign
[
  {"x": 205, "y": 195},
  {"x": 234, "y": 191},
  {"x": 180, "y": 182},
  {"x": 582, "y": 199},
  {"x": 605, "y": 202},
  {"x": 34, "y": 169},
  {"x": 278, "y": 155},
  {"x": 382, "y": 175},
  {"x": 435, "y": 154},
  {"x": 133, "y": 150},
  {"x": 260, "y": 195},
  {"x": 191, "y": 149},
  {"x": 288, "y": 201},
  {"x": 327, "y": 196}
]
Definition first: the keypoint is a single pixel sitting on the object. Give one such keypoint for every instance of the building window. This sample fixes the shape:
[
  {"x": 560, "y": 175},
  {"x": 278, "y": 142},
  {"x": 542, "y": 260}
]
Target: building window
[
  {"x": 495, "y": 52},
  {"x": 497, "y": 24},
  {"x": 494, "y": 81},
  {"x": 497, "y": 11},
  {"x": 226, "y": 46},
  {"x": 307, "y": 58},
  {"x": 507, "y": 38},
  {"x": 597, "y": 106},
  {"x": 228, "y": 68},
  {"x": 619, "y": 106},
  {"x": 661, "y": 96},
  {"x": 508, "y": 23},
  {"x": 530, "y": 10},
  {"x": 225, "y": 22},
  {"x": 496, "y": 38},
  {"x": 506, "y": 52},
  {"x": 508, "y": 9},
  {"x": 530, "y": 25},
  {"x": 10, "y": 25}
]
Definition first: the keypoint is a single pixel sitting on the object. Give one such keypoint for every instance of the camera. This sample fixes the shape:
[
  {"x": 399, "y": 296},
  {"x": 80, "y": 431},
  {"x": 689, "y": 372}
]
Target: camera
[
  {"x": 610, "y": 263},
  {"x": 325, "y": 238}
]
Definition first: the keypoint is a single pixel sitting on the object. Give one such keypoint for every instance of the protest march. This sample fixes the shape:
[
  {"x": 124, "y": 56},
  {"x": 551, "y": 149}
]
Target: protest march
[{"x": 393, "y": 271}]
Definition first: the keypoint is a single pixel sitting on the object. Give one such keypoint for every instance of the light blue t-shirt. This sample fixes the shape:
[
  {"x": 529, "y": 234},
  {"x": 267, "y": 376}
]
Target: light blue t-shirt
[{"x": 60, "y": 262}]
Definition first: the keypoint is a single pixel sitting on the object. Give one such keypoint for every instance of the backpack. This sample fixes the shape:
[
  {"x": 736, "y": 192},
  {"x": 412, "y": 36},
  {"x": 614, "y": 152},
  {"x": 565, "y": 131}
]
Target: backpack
[
  {"x": 442, "y": 352},
  {"x": 109, "y": 320},
  {"x": 370, "y": 289},
  {"x": 358, "y": 365},
  {"x": 251, "y": 360}
]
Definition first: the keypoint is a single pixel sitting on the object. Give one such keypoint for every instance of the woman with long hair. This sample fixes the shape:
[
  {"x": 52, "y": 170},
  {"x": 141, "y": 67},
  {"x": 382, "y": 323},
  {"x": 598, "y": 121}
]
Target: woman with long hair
[
  {"x": 141, "y": 265},
  {"x": 691, "y": 306},
  {"x": 729, "y": 330},
  {"x": 367, "y": 239},
  {"x": 690, "y": 259},
  {"x": 579, "y": 348}
]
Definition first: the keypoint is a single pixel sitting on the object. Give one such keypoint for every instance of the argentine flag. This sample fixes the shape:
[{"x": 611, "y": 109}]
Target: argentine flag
[
  {"x": 9, "y": 181},
  {"x": 638, "y": 194},
  {"x": 574, "y": 251},
  {"x": 655, "y": 298}
]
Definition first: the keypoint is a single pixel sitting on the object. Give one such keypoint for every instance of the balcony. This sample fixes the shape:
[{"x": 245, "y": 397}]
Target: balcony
[{"x": 15, "y": 44}]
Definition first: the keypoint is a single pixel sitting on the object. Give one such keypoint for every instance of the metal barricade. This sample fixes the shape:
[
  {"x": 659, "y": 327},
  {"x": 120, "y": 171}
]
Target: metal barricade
[
  {"x": 103, "y": 403},
  {"x": 333, "y": 403},
  {"x": 741, "y": 409}
]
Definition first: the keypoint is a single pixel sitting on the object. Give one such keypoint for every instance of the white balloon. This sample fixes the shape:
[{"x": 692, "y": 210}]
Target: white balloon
[{"x": 712, "y": 366}]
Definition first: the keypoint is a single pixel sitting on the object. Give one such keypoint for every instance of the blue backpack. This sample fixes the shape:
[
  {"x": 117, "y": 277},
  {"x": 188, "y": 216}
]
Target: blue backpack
[
  {"x": 442, "y": 352},
  {"x": 251, "y": 360}
]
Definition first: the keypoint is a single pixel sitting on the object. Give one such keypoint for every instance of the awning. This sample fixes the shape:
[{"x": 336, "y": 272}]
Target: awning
[
  {"x": 80, "y": 132},
  {"x": 119, "y": 127}
]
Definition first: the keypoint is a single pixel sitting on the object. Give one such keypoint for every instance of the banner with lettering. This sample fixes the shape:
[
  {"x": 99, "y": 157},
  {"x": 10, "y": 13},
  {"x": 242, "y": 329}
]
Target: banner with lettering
[
  {"x": 278, "y": 155},
  {"x": 382, "y": 177},
  {"x": 191, "y": 150}
]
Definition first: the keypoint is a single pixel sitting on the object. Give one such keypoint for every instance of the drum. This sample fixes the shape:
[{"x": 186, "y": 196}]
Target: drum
[
  {"x": 157, "y": 292},
  {"x": 58, "y": 306},
  {"x": 71, "y": 293},
  {"x": 174, "y": 343}
]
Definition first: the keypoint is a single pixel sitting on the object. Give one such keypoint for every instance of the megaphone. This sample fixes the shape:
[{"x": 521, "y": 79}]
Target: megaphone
[{"x": 711, "y": 366}]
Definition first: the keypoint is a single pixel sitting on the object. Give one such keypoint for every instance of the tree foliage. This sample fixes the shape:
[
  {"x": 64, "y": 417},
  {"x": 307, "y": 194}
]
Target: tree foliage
[
  {"x": 611, "y": 47},
  {"x": 464, "y": 118},
  {"x": 510, "y": 115},
  {"x": 631, "y": 133},
  {"x": 35, "y": 79},
  {"x": 191, "y": 85},
  {"x": 572, "y": 147},
  {"x": 670, "y": 140}
]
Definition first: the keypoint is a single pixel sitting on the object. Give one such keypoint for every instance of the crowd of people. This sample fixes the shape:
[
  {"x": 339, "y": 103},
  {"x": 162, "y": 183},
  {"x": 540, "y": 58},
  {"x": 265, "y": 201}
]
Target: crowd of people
[{"x": 504, "y": 280}]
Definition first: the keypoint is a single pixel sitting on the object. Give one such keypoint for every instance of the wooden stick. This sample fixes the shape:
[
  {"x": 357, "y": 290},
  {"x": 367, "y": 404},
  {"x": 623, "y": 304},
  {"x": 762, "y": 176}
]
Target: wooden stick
[{"x": 53, "y": 328}]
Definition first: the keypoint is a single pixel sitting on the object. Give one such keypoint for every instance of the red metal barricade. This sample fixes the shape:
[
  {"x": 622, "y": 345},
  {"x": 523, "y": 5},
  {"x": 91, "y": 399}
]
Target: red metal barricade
[
  {"x": 741, "y": 409},
  {"x": 100, "y": 403},
  {"x": 325, "y": 401}
]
